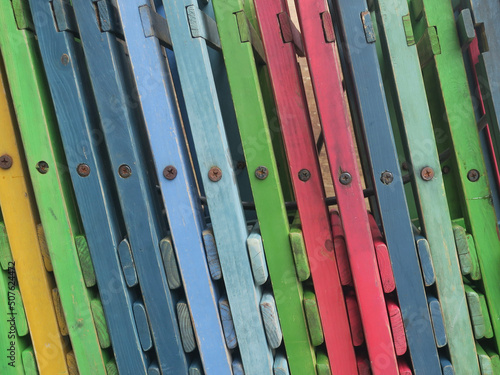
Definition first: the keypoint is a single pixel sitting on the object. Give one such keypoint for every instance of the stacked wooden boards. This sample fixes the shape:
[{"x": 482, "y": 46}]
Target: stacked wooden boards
[{"x": 162, "y": 187}]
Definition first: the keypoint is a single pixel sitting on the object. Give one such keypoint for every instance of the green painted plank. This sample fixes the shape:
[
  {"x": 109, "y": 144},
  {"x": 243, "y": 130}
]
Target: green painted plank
[
  {"x": 454, "y": 121},
  {"x": 243, "y": 74},
  {"x": 52, "y": 186}
]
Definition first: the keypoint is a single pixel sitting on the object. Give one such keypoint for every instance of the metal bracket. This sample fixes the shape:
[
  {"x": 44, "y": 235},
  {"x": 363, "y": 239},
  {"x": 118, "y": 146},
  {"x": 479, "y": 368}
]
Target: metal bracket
[
  {"x": 155, "y": 25},
  {"x": 329, "y": 32},
  {"x": 22, "y": 15},
  {"x": 64, "y": 16},
  {"x": 290, "y": 33},
  {"x": 107, "y": 14},
  {"x": 249, "y": 34},
  {"x": 203, "y": 26},
  {"x": 368, "y": 27}
]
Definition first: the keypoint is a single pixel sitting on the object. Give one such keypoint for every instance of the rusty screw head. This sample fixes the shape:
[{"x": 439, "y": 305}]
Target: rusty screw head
[
  {"x": 427, "y": 173},
  {"x": 5, "y": 161},
  {"x": 405, "y": 166},
  {"x": 83, "y": 170},
  {"x": 473, "y": 175},
  {"x": 345, "y": 178},
  {"x": 42, "y": 167},
  {"x": 124, "y": 171},
  {"x": 261, "y": 172},
  {"x": 215, "y": 174},
  {"x": 304, "y": 175},
  {"x": 64, "y": 59},
  {"x": 386, "y": 177},
  {"x": 170, "y": 172},
  {"x": 446, "y": 169}
]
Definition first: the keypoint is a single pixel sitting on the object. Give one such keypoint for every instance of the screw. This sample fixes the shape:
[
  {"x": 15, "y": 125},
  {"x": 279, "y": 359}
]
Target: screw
[
  {"x": 42, "y": 167},
  {"x": 304, "y": 175},
  {"x": 170, "y": 172},
  {"x": 405, "y": 166},
  {"x": 446, "y": 169},
  {"x": 240, "y": 165},
  {"x": 65, "y": 59},
  {"x": 427, "y": 173},
  {"x": 124, "y": 171},
  {"x": 215, "y": 174},
  {"x": 473, "y": 175},
  {"x": 345, "y": 178},
  {"x": 386, "y": 177},
  {"x": 261, "y": 172},
  {"x": 5, "y": 161},
  {"x": 83, "y": 170}
]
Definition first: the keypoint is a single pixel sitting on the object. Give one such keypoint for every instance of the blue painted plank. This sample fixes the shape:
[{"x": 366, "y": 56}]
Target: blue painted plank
[
  {"x": 446, "y": 366},
  {"x": 280, "y": 365},
  {"x": 141, "y": 321},
  {"x": 180, "y": 195},
  {"x": 227, "y": 323},
  {"x": 227, "y": 216},
  {"x": 238, "y": 367},
  {"x": 367, "y": 98},
  {"x": 212, "y": 255},
  {"x": 437, "y": 321},
  {"x": 127, "y": 263},
  {"x": 78, "y": 125},
  {"x": 121, "y": 129},
  {"x": 424, "y": 254},
  {"x": 271, "y": 322},
  {"x": 170, "y": 263}
]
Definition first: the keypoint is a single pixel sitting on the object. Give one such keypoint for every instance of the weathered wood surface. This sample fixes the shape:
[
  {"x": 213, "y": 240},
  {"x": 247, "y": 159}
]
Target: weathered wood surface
[
  {"x": 307, "y": 182},
  {"x": 21, "y": 224},
  {"x": 52, "y": 186},
  {"x": 201, "y": 73},
  {"x": 467, "y": 184},
  {"x": 325, "y": 73},
  {"x": 239, "y": 38},
  {"x": 78, "y": 125},
  {"x": 357, "y": 41},
  {"x": 180, "y": 195}
]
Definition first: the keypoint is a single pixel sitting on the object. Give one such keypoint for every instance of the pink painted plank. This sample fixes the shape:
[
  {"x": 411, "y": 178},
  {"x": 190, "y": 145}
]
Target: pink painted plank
[
  {"x": 358, "y": 337},
  {"x": 341, "y": 250},
  {"x": 325, "y": 72},
  {"x": 398, "y": 329},
  {"x": 363, "y": 365},
  {"x": 301, "y": 153},
  {"x": 404, "y": 369},
  {"x": 383, "y": 258}
]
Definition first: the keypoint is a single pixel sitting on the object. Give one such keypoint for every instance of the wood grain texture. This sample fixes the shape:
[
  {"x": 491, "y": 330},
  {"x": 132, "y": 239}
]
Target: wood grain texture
[
  {"x": 170, "y": 263},
  {"x": 85, "y": 262},
  {"x": 212, "y": 255},
  {"x": 53, "y": 191},
  {"x": 252, "y": 112},
  {"x": 79, "y": 128},
  {"x": 271, "y": 320},
  {"x": 325, "y": 72},
  {"x": 227, "y": 323},
  {"x": 301, "y": 153},
  {"x": 397, "y": 327},
  {"x": 100, "y": 323},
  {"x": 448, "y": 92},
  {"x": 180, "y": 195},
  {"x": 402, "y": 67},
  {"x": 201, "y": 73},
  {"x": 280, "y": 366},
  {"x": 257, "y": 257},
  {"x": 186, "y": 327}
]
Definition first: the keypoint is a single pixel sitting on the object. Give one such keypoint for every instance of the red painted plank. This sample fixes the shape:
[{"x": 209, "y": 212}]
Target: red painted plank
[
  {"x": 301, "y": 153},
  {"x": 363, "y": 365},
  {"x": 383, "y": 258},
  {"x": 335, "y": 118},
  {"x": 404, "y": 369},
  {"x": 341, "y": 250},
  {"x": 358, "y": 337},
  {"x": 398, "y": 329}
]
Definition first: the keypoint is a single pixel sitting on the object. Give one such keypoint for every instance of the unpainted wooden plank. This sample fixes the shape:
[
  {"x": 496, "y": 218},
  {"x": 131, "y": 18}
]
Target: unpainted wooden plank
[{"x": 271, "y": 320}]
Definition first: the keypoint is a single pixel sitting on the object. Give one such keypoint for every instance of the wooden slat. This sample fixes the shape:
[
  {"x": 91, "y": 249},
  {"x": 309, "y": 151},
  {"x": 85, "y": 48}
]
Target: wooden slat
[
  {"x": 358, "y": 337},
  {"x": 257, "y": 256},
  {"x": 271, "y": 321},
  {"x": 437, "y": 321}
]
